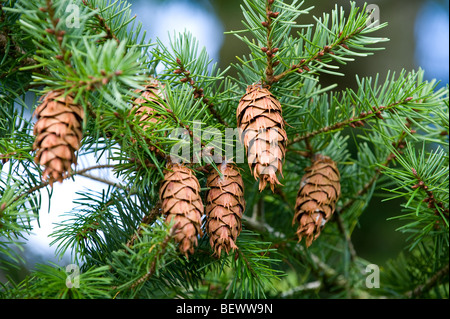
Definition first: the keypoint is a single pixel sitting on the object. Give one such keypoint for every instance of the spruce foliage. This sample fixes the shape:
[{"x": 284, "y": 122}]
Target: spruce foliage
[{"x": 118, "y": 237}]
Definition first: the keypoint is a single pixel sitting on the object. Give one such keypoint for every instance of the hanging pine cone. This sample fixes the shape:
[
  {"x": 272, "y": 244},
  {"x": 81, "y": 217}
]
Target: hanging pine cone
[
  {"x": 154, "y": 93},
  {"x": 58, "y": 132},
  {"x": 316, "y": 199},
  {"x": 225, "y": 205},
  {"x": 181, "y": 202},
  {"x": 262, "y": 132}
]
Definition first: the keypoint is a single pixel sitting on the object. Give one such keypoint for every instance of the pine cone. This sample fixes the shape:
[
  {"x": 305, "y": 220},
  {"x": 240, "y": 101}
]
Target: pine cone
[
  {"x": 316, "y": 199},
  {"x": 262, "y": 132},
  {"x": 181, "y": 202},
  {"x": 225, "y": 205},
  {"x": 154, "y": 93},
  {"x": 58, "y": 132}
]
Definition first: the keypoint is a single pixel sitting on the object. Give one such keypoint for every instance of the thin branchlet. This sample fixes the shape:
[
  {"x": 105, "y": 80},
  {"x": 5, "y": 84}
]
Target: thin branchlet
[
  {"x": 102, "y": 22},
  {"x": 197, "y": 91},
  {"x": 353, "y": 122}
]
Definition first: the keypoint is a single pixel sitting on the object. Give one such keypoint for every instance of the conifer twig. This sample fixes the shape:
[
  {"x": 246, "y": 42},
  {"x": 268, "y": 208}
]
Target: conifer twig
[
  {"x": 327, "y": 49},
  {"x": 146, "y": 220},
  {"x": 198, "y": 91},
  {"x": 437, "y": 206},
  {"x": 109, "y": 33},
  {"x": 102, "y": 180},
  {"x": 352, "y": 122},
  {"x": 269, "y": 50},
  {"x": 337, "y": 217},
  {"x": 419, "y": 290},
  {"x": 5, "y": 37},
  {"x": 399, "y": 144},
  {"x": 320, "y": 268},
  {"x": 160, "y": 253},
  {"x": 58, "y": 34}
]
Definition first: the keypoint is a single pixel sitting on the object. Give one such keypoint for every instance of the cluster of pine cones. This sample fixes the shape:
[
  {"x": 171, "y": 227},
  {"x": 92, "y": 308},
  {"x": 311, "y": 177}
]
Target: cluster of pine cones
[
  {"x": 264, "y": 137},
  {"x": 58, "y": 133},
  {"x": 182, "y": 204}
]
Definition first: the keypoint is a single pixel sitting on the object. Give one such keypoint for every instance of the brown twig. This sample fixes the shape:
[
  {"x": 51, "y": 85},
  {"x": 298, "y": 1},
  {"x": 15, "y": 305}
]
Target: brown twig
[
  {"x": 6, "y": 157},
  {"x": 337, "y": 217},
  {"x": 96, "y": 82},
  {"x": 437, "y": 206},
  {"x": 269, "y": 50}
]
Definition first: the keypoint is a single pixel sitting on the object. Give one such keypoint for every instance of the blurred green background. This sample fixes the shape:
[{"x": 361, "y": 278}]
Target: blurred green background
[{"x": 418, "y": 33}]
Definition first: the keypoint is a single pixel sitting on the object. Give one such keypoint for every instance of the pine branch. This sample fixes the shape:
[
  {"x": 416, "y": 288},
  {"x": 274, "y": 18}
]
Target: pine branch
[
  {"x": 399, "y": 144},
  {"x": 430, "y": 283},
  {"x": 321, "y": 269},
  {"x": 269, "y": 50},
  {"x": 432, "y": 170},
  {"x": 57, "y": 34},
  {"x": 162, "y": 250},
  {"x": 302, "y": 66},
  {"x": 436, "y": 205},
  {"x": 341, "y": 226},
  {"x": 197, "y": 91},
  {"x": 15, "y": 51},
  {"x": 102, "y": 22},
  {"x": 353, "y": 121},
  {"x": 146, "y": 220},
  {"x": 184, "y": 64},
  {"x": 119, "y": 235}
]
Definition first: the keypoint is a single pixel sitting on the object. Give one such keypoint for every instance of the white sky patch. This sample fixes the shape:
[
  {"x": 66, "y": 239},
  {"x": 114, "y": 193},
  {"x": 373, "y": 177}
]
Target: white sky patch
[
  {"x": 161, "y": 19},
  {"x": 62, "y": 201}
]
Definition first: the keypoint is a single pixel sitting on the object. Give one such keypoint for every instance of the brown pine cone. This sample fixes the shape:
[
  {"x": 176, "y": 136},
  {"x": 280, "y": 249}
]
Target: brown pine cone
[
  {"x": 58, "y": 132},
  {"x": 262, "y": 132},
  {"x": 317, "y": 197},
  {"x": 225, "y": 205},
  {"x": 154, "y": 93},
  {"x": 181, "y": 203}
]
